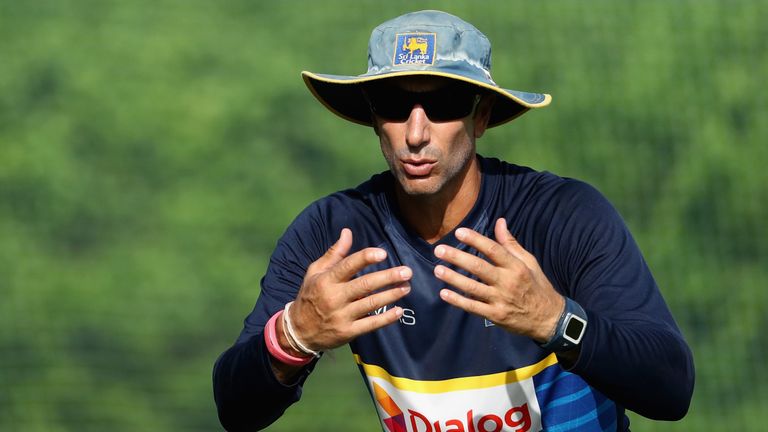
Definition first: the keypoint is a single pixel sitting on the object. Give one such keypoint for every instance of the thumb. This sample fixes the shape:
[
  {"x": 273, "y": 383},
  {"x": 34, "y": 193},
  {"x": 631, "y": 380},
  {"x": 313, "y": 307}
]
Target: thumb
[
  {"x": 510, "y": 243},
  {"x": 503, "y": 236},
  {"x": 337, "y": 252}
]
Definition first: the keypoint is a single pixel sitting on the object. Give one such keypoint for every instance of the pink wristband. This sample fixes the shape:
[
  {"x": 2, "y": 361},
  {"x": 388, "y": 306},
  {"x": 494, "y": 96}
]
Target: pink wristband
[{"x": 274, "y": 348}]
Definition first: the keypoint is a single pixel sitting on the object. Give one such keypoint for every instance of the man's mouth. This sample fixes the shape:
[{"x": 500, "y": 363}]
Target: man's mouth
[{"x": 418, "y": 167}]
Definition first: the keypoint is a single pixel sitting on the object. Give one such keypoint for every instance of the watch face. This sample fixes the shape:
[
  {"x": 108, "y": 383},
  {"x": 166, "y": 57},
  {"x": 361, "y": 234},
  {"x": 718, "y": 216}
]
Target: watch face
[{"x": 574, "y": 328}]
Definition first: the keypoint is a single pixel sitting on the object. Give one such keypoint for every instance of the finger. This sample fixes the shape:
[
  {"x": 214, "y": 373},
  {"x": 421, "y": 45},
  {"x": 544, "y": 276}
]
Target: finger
[
  {"x": 502, "y": 233},
  {"x": 375, "y": 322},
  {"x": 490, "y": 248},
  {"x": 370, "y": 282},
  {"x": 472, "y": 306},
  {"x": 471, "y": 263},
  {"x": 336, "y": 252},
  {"x": 373, "y": 302},
  {"x": 506, "y": 239},
  {"x": 345, "y": 269},
  {"x": 477, "y": 290}
]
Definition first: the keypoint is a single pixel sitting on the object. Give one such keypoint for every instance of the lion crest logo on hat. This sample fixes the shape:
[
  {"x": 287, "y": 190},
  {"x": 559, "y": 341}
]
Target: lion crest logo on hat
[{"x": 414, "y": 48}]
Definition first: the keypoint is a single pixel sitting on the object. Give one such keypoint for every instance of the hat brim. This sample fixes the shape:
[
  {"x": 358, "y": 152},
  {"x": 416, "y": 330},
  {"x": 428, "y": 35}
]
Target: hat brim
[{"x": 342, "y": 96}]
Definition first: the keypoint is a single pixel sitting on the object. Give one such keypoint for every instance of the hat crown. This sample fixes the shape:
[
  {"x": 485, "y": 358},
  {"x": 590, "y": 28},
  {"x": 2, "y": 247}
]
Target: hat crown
[
  {"x": 429, "y": 40},
  {"x": 427, "y": 43}
]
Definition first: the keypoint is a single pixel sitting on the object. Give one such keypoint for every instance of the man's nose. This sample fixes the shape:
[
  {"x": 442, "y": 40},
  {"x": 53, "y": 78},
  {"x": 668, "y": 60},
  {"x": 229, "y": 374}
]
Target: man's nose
[{"x": 417, "y": 127}]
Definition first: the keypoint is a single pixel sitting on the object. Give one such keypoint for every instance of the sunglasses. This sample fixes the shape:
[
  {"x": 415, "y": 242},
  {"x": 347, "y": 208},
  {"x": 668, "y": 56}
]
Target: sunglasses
[{"x": 450, "y": 102}]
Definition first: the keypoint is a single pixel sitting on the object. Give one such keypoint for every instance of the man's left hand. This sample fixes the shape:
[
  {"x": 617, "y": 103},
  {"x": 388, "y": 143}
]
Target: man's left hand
[{"x": 512, "y": 290}]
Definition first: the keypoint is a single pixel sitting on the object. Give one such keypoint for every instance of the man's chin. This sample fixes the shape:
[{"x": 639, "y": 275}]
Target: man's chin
[{"x": 419, "y": 187}]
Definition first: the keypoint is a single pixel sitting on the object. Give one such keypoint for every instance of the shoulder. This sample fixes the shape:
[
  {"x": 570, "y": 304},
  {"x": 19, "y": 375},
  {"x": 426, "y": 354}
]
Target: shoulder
[
  {"x": 543, "y": 190},
  {"x": 576, "y": 195},
  {"x": 522, "y": 178},
  {"x": 572, "y": 204},
  {"x": 323, "y": 219},
  {"x": 350, "y": 203}
]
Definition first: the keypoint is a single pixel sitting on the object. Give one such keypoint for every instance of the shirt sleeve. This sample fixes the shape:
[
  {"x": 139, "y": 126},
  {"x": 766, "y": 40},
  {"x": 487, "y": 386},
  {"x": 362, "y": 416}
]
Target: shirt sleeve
[
  {"x": 632, "y": 351},
  {"x": 248, "y": 395}
]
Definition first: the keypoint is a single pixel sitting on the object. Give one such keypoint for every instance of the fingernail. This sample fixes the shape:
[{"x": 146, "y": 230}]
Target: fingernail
[
  {"x": 405, "y": 273},
  {"x": 440, "y": 251},
  {"x": 444, "y": 294},
  {"x": 399, "y": 312},
  {"x": 461, "y": 233},
  {"x": 380, "y": 255},
  {"x": 406, "y": 289},
  {"x": 439, "y": 270}
]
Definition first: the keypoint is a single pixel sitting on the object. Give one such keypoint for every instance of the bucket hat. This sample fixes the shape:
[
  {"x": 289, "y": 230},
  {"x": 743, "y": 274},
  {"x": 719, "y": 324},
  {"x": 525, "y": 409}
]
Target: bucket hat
[{"x": 422, "y": 43}]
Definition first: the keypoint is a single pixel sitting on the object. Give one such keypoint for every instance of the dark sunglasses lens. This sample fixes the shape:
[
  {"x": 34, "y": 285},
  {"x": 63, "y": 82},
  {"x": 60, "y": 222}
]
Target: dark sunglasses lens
[
  {"x": 392, "y": 107},
  {"x": 447, "y": 103}
]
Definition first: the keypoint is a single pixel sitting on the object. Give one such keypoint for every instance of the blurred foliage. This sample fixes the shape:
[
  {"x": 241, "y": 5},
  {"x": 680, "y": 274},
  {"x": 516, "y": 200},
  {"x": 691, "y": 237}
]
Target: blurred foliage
[{"x": 151, "y": 153}]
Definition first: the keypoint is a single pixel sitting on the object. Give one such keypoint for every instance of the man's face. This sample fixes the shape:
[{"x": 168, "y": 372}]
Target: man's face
[{"x": 426, "y": 146}]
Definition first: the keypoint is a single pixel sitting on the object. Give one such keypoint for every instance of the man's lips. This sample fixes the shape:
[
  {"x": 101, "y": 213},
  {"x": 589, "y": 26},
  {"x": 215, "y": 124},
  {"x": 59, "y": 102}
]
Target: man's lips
[{"x": 418, "y": 167}]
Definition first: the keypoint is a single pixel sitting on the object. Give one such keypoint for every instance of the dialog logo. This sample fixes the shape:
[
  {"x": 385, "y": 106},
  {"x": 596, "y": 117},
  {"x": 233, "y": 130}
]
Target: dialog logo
[
  {"x": 396, "y": 421},
  {"x": 414, "y": 49},
  {"x": 516, "y": 418}
]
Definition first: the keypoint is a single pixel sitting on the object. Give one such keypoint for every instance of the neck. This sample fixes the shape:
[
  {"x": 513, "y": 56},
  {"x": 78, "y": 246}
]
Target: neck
[{"x": 434, "y": 216}]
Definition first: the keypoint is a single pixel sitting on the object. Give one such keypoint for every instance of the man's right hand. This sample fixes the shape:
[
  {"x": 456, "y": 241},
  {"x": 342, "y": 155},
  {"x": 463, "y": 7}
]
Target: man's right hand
[{"x": 332, "y": 308}]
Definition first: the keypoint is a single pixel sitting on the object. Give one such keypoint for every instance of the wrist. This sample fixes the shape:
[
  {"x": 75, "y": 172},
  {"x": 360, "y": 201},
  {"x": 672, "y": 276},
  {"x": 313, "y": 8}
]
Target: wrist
[
  {"x": 284, "y": 340},
  {"x": 554, "y": 321},
  {"x": 276, "y": 350},
  {"x": 291, "y": 336},
  {"x": 570, "y": 328}
]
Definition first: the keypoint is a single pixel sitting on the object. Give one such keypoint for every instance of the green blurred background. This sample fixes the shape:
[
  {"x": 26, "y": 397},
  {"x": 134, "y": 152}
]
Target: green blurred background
[{"x": 152, "y": 152}]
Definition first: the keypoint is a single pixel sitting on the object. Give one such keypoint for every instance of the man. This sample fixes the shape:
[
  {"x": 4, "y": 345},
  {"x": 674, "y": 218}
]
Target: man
[{"x": 476, "y": 295}]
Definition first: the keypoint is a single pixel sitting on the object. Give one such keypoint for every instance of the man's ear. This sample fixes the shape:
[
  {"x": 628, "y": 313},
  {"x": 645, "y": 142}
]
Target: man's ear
[{"x": 483, "y": 114}]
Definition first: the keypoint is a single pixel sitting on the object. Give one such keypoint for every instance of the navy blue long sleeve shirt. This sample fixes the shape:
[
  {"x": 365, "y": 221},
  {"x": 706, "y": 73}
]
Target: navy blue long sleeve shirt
[{"x": 440, "y": 368}]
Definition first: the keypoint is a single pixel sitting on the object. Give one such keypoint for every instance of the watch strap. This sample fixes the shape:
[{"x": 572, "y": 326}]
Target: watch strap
[{"x": 570, "y": 328}]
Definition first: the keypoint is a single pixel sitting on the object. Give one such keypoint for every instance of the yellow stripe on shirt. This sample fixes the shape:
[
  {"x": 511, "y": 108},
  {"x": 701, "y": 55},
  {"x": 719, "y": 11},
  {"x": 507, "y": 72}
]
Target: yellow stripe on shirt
[{"x": 456, "y": 384}]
